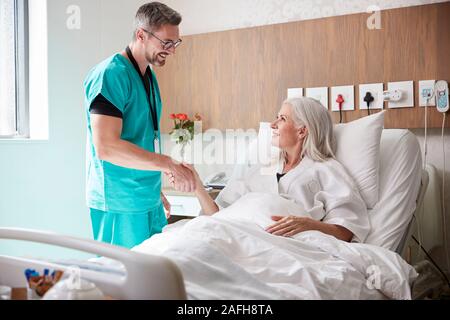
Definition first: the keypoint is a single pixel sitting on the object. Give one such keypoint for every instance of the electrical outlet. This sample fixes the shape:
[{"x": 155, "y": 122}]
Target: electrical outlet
[
  {"x": 295, "y": 93},
  {"x": 320, "y": 94},
  {"x": 376, "y": 89},
  {"x": 407, "y": 89},
  {"x": 348, "y": 93},
  {"x": 427, "y": 87},
  {"x": 393, "y": 96}
]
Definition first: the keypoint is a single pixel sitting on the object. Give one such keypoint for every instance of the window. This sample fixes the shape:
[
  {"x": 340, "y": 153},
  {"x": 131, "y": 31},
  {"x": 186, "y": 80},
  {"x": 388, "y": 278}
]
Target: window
[{"x": 14, "y": 119}]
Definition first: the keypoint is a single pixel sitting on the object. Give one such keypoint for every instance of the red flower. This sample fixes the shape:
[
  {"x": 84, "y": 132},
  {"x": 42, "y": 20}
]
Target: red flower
[
  {"x": 182, "y": 117},
  {"x": 173, "y": 116}
]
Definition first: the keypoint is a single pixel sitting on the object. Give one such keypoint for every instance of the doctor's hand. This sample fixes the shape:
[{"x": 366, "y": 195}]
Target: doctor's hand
[
  {"x": 181, "y": 177},
  {"x": 166, "y": 205},
  {"x": 290, "y": 226}
]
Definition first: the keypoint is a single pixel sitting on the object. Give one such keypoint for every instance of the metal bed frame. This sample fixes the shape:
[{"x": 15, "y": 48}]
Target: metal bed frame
[{"x": 146, "y": 277}]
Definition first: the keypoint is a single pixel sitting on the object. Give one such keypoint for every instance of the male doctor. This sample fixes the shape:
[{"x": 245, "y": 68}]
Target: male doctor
[{"x": 124, "y": 160}]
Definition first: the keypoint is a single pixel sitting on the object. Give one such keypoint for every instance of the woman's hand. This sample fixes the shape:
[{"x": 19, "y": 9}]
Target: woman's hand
[
  {"x": 290, "y": 226},
  {"x": 198, "y": 181},
  {"x": 209, "y": 207},
  {"x": 166, "y": 205},
  {"x": 182, "y": 178}
]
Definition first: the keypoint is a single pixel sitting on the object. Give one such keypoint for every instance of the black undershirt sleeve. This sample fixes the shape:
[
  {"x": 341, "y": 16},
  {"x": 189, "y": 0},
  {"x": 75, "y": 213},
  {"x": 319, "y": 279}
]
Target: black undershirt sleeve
[{"x": 102, "y": 106}]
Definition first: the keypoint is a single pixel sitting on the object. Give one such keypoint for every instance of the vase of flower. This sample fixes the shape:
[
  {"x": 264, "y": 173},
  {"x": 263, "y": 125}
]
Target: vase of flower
[{"x": 182, "y": 132}]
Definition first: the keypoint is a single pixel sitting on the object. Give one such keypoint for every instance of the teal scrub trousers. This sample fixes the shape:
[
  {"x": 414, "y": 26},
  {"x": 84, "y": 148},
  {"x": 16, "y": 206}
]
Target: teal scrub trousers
[{"x": 127, "y": 229}]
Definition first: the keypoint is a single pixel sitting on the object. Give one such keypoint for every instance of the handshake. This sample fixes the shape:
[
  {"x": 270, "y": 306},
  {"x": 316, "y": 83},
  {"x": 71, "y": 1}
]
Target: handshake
[{"x": 183, "y": 177}]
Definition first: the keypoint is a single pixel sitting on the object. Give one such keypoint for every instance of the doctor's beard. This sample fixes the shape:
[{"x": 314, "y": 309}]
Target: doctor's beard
[{"x": 157, "y": 59}]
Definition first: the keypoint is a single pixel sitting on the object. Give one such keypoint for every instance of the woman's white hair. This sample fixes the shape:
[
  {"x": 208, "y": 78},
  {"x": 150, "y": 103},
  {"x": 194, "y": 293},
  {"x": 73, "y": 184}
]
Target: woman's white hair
[{"x": 320, "y": 143}]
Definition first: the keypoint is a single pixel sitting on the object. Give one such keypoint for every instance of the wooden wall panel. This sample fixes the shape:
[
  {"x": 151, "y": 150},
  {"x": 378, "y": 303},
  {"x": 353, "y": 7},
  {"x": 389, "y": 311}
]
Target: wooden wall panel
[{"x": 237, "y": 78}]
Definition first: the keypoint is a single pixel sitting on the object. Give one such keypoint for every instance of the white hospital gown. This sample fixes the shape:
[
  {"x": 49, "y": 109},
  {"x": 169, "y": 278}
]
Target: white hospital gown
[{"x": 323, "y": 189}]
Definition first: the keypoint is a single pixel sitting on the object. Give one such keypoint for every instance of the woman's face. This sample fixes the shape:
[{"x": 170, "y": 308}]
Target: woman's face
[{"x": 286, "y": 133}]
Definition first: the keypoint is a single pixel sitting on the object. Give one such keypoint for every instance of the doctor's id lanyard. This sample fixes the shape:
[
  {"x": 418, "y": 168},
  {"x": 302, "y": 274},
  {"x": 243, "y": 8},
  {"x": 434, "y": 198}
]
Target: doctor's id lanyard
[{"x": 147, "y": 81}]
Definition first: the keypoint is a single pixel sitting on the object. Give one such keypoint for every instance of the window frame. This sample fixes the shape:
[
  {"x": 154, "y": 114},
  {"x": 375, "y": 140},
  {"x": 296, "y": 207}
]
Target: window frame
[{"x": 21, "y": 49}]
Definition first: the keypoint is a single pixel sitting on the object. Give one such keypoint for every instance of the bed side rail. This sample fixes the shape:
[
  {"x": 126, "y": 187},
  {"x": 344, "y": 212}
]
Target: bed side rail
[{"x": 147, "y": 277}]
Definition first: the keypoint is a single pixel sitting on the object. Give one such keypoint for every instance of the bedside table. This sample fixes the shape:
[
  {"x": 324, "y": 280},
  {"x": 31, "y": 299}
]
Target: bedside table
[{"x": 184, "y": 205}]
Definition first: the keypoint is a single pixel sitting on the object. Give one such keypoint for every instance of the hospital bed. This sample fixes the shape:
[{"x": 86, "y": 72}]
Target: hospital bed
[{"x": 403, "y": 183}]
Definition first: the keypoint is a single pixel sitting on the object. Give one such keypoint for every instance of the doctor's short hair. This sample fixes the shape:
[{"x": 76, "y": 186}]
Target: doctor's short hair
[
  {"x": 153, "y": 15},
  {"x": 320, "y": 143}
]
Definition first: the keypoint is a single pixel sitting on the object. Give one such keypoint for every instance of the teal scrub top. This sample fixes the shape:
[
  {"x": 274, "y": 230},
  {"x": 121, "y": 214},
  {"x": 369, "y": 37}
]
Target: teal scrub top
[{"x": 110, "y": 187}]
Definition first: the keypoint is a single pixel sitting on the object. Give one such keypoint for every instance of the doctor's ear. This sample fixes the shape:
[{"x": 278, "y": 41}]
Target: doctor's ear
[{"x": 140, "y": 35}]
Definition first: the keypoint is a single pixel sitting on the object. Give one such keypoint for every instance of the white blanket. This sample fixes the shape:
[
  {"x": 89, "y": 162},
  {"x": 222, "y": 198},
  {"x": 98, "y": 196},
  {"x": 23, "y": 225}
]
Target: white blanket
[{"x": 230, "y": 256}]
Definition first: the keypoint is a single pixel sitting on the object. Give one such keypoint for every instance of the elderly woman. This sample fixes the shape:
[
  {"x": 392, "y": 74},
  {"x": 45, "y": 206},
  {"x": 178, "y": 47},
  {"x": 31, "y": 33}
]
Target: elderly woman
[{"x": 308, "y": 174}]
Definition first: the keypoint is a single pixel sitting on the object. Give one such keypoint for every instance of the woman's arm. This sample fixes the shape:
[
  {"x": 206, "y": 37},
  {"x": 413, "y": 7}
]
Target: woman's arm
[
  {"x": 290, "y": 226},
  {"x": 209, "y": 207}
]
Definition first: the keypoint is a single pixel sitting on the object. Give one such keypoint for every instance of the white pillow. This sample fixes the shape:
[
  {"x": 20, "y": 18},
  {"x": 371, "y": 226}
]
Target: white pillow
[
  {"x": 358, "y": 150},
  {"x": 400, "y": 175}
]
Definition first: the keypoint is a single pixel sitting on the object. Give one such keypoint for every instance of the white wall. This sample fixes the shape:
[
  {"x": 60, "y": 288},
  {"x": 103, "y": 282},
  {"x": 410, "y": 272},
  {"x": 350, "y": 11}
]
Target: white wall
[
  {"x": 42, "y": 182},
  {"x": 201, "y": 16}
]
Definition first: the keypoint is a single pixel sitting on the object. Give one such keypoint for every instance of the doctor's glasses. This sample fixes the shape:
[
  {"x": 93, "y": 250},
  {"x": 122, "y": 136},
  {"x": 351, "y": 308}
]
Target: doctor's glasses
[{"x": 166, "y": 45}]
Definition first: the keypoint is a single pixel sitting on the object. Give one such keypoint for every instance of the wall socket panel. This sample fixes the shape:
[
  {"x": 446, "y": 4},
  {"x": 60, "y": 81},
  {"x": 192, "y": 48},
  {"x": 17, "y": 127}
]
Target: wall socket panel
[
  {"x": 295, "y": 93},
  {"x": 320, "y": 94},
  {"x": 348, "y": 92},
  {"x": 427, "y": 85},
  {"x": 407, "y": 88},
  {"x": 376, "y": 89}
]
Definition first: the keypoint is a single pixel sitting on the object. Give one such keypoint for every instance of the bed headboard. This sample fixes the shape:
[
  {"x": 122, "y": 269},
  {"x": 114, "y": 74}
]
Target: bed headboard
[
  {"x": 403, "y": 246},
  {"x": 427, "y": 225}
]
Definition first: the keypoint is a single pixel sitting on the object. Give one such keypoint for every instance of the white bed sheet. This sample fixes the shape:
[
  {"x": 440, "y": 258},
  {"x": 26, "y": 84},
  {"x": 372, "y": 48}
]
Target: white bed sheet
[{"x": 230, "y": 256}]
